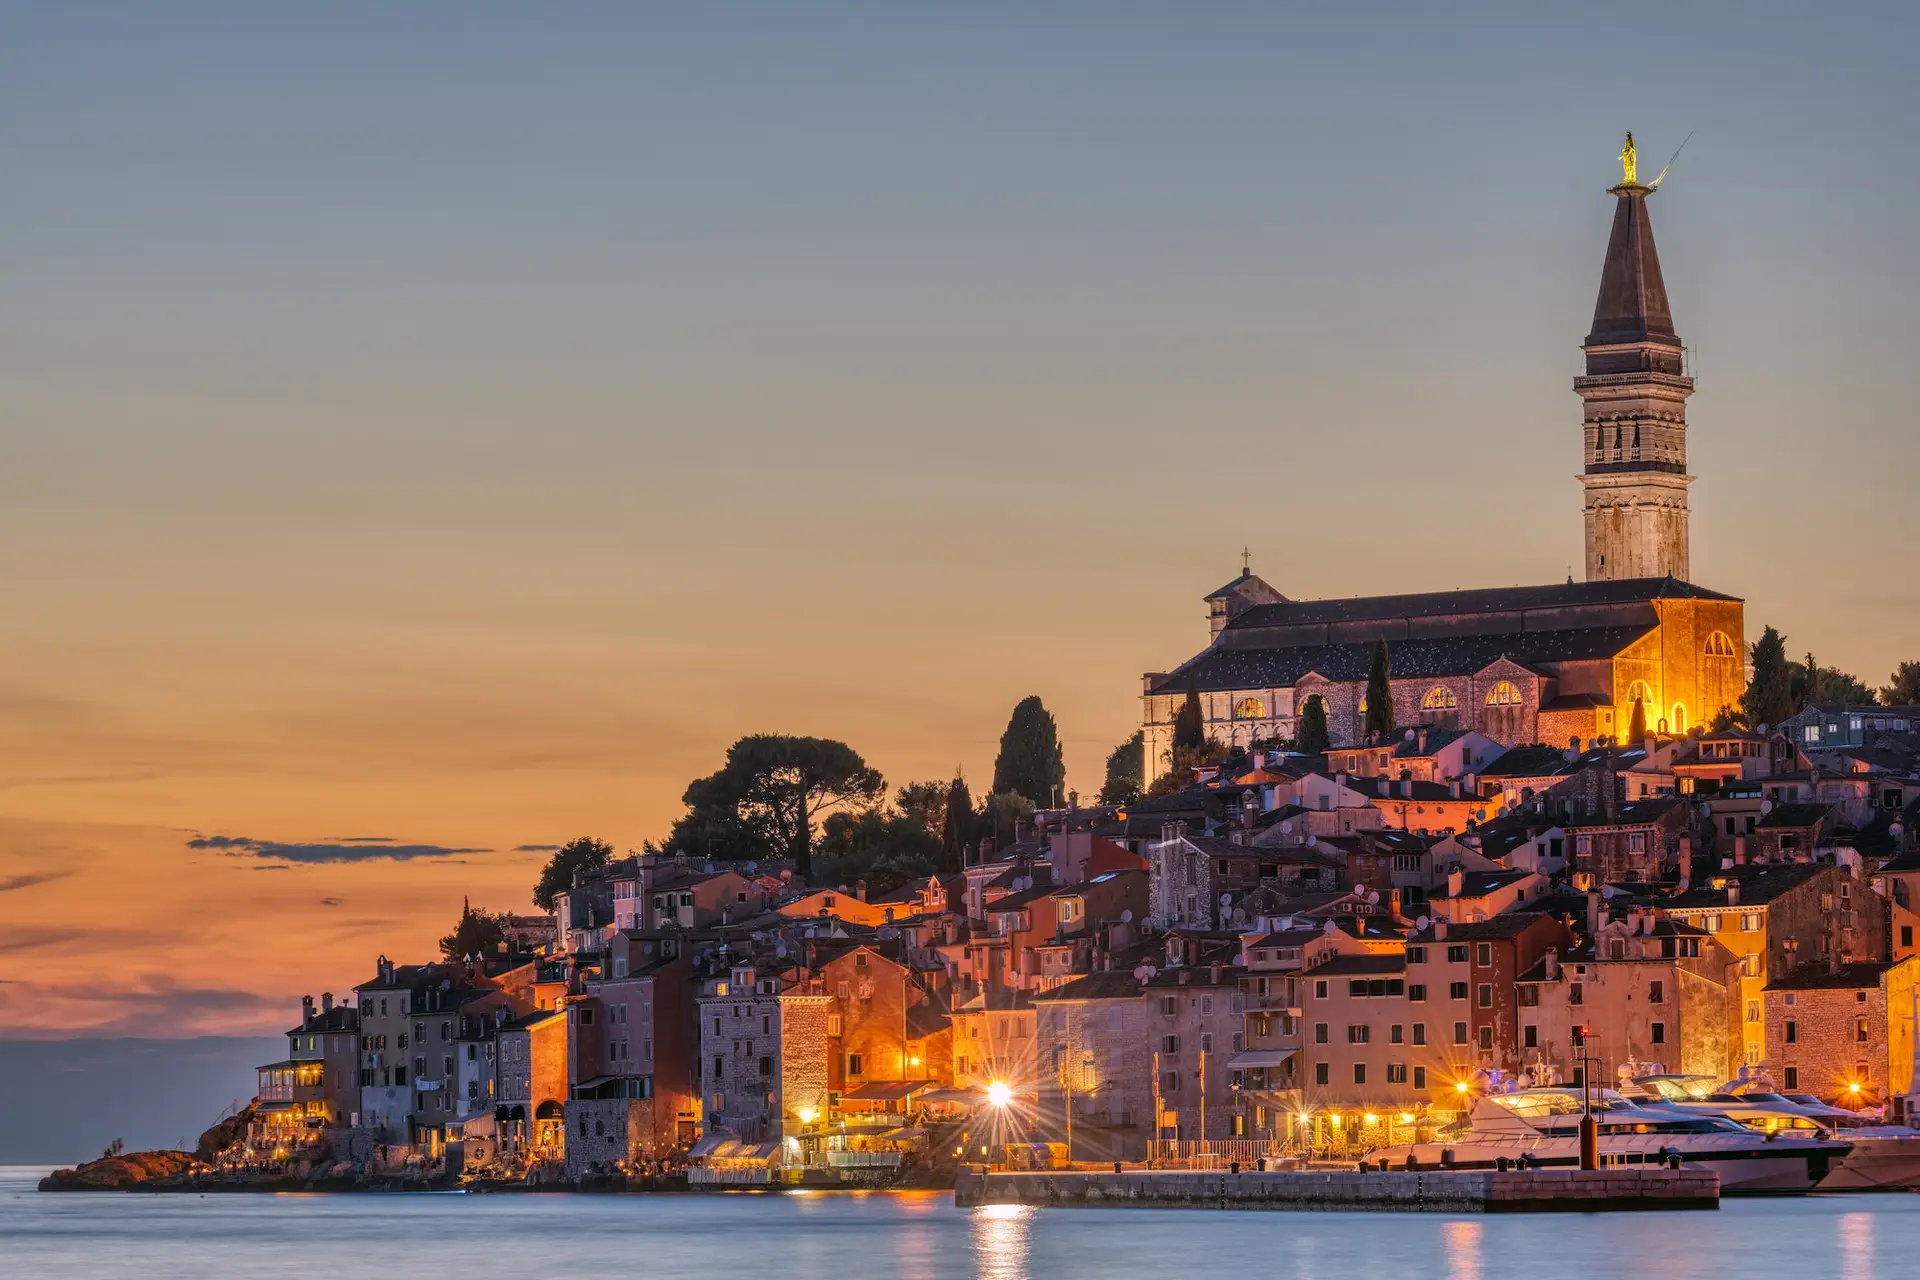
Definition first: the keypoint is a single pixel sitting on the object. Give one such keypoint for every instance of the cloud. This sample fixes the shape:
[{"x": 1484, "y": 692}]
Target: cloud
[
  {"x": 356, "y": 849},
  {"x": 331, "y": 902},
  {"x": 11, "y": 884},
  {"x": 536, "y": 848},
  {"x": 149, "y": 1004},
  {"x": 33, "y": 938}
]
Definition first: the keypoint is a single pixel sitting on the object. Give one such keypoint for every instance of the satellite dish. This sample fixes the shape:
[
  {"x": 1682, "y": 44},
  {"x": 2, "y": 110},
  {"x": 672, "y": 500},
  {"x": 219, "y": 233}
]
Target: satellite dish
[
  {"x": 1423, "y": 922},
  {"x": 780, "y": 950},
  {"x": 1226, "y": 899},
  {"x": 646, "y": 948},
  {"x": 1126, "y": 917},
  {"x": 1373, "y": 897},
  {"x": 1606, "y": 892},
  {"x": 1766, "y": 807},
  {"x": 1286, "y": 828},
  {"x": 1706, "y": 810},
  {"x": 1331, "y": 928}
]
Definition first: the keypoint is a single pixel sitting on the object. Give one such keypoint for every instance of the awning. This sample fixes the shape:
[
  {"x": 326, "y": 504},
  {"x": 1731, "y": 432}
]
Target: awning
[
  {"x": 885, "y": 1090},
  {"x": 1260, "y": 1058},
  {"x": 265, "y": 1108},
  {"x": 953, "y": 1097}
]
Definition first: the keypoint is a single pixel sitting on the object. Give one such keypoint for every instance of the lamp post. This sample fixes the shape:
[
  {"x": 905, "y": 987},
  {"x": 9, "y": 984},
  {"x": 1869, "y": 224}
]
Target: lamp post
[{"x": 1589, "y": 1127}]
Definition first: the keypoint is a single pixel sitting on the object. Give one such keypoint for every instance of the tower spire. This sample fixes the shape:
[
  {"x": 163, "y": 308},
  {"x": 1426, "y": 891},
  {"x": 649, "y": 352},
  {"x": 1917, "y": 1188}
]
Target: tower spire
[{"x": 1635, "y": 392}]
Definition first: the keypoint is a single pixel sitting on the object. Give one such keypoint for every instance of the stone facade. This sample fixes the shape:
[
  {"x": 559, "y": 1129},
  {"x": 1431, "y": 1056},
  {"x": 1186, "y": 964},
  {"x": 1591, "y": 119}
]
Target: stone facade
[{"x": 1831, "y": 1028}]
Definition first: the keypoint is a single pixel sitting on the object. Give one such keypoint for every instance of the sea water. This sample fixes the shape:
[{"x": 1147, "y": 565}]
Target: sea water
[{"x": 918, "y": 1236}]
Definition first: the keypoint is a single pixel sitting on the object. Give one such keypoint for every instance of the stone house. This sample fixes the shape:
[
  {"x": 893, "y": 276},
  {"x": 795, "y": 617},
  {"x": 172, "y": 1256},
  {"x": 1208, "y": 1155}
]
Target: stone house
[
  {"x": 1844, "y": 1032},
  {"x": 1639, "y": 842},
  {"x": 1657, "y": 995}
]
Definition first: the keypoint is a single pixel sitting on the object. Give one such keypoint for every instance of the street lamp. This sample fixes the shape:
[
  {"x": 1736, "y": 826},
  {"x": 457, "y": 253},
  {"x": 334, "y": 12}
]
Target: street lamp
[{"x": 998, "y": 1094}]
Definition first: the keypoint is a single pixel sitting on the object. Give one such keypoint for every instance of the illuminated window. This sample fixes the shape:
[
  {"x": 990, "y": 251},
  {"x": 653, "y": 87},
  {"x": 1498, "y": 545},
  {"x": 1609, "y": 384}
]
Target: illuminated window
[
  {"x": 1679, "y": 717},
  {"x": 1503, "y": 694},
  {"x": 1440, "y": 698},
  {"x": 1249, "y": 709},
  {"x": 1719, "y": 646}
]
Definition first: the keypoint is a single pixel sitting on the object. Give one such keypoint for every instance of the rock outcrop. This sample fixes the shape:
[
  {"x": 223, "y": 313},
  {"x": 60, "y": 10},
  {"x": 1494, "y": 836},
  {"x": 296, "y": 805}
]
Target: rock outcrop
[{"x": 122, "y": 1172}]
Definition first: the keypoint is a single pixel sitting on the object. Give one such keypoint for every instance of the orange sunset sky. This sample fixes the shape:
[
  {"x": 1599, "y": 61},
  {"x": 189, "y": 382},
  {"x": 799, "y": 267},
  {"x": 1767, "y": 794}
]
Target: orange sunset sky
[{"x": 443, "y": 441}]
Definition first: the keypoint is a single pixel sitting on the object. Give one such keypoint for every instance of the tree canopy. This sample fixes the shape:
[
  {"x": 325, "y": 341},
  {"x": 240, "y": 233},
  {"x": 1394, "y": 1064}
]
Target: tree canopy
[
  {"x": 769, "y": 796},
  {"x": 1379, "y": 694},
  {"x": 1310, "y": 728},
  {"x": 1903, "y": 689},
  {"x": 1126, "y": 770},
  {"x": 1769, "y": 696},
  {"x": 584, "y": 855},
  {"x": 477, "y": 933},
  {"x": 1814, "y": 683},
  {"x": 1030, "y": 763}
]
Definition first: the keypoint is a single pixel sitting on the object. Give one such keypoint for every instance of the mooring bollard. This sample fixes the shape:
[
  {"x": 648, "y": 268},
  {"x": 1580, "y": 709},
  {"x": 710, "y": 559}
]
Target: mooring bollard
[
  {"x": 1500, "y": 1164},
  {"x": 1116, "y": 1166},
  {"x": 1261, "y": 1164},
  {"x": 1413, "y": 1165},
  {"x": 1234, "y": 1167},
  {"x": 1446, "y": 1158}
]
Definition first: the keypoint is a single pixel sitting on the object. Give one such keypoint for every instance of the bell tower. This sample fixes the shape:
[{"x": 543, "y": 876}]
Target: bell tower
[{"x": 1635, "y": 394}]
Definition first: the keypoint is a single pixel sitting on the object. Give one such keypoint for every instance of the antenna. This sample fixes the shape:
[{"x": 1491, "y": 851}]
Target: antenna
[{"x": 1655, "y": 184}]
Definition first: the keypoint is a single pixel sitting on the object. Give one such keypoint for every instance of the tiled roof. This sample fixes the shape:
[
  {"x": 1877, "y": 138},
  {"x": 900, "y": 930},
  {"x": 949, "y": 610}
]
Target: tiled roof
[
  {"x": 1226, "y": 667},
  {"x": 1343, "y": 966},
  {"x": 1110, "y": 985},
  {"x": 1484, "y": 600},
  {"x": 1507, "y": 924},
  {"x": 1796, "y": 815},
  {"x": 1758, "y": 885},
  {"x": 1815, "y": 975}
]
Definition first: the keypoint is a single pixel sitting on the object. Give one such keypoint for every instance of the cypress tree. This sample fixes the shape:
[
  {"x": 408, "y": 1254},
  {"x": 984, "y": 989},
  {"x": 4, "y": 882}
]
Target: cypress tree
[
  {"x": 1126, "y": 770},
  {"x": 1189, "y": 726},
  {"x": 1379, "y": 694},
  {"x": 958, "y": 836},
  {"x": 1310, "y": 732},
  {"x": 1637, "y": 727},
  {"x": 1030, "y": 763},
  {"x": 1769, "y": 696}
]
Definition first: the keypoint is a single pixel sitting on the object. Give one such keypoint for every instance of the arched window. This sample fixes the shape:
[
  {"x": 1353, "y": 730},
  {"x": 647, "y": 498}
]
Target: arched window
[
  {"x": 1503, "y": 694},
  {"x": 1439, "y": 698},
  {"x": 1720, "y": 646},
  {"x": 1249, "y": 709},
  {"x": 1640, "y": 691},
  {"x": 1679, "y": 718}
]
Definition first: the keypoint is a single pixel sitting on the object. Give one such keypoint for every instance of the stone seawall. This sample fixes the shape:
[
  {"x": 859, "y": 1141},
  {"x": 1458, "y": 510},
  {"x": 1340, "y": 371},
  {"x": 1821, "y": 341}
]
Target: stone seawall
[{"x": 1540, "y": 1191}]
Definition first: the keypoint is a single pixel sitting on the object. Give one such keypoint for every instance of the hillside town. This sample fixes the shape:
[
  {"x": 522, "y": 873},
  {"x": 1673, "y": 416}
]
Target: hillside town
[
  {"x": 1367, "y": 861},
  {"x": 1311, "y": 955}
]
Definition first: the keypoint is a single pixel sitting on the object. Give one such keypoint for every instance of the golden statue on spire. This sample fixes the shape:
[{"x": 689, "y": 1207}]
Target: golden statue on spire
[{"x": 1629, "y": 164}]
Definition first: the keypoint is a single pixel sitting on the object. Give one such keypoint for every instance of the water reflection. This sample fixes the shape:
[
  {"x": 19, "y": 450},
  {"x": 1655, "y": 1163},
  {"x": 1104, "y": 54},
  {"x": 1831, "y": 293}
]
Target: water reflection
[
  {"x": 1856, "y": 1246},
  {"x": 1002, "y": 1241},
  {"x": 1462, "y": 1243}
]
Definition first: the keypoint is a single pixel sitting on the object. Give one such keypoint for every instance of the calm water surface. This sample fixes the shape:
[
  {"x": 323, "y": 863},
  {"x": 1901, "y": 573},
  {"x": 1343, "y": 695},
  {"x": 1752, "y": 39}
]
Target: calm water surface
[{"x": 919, "y": 1237}]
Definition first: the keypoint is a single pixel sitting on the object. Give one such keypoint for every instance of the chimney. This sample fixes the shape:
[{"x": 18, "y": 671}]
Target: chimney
[
  {"x": 1423, "y": 740},
  {"x": 860, "y": 890},
  {"x": 1550, "y": 964},
  {"x": 1594, "y": 908},
  {"x": 1739, "y": 851},
  {"x": 306, "y": 1011},
  {"x": 1686, "y": 855},
  {"x": 326, "y": 1002},
  {"x": 1733, "y": 893},
  {"x": 1186, "y": 976},
  {"x": 1439, "y": 928},
  {"x": 986, "y": 849},
  {"x": 1456, "y": 881}
]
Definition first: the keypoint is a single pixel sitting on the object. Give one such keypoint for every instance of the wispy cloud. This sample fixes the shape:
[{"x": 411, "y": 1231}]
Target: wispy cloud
[
  {"x": 536, "y": 848},
  {"x": 12, "y": 884},
  {"x": 331, "y": 902},
  {"x": 355, "y": 849}
]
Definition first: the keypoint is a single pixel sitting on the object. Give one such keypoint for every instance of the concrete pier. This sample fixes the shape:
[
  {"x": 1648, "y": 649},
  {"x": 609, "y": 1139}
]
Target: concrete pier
[{"x": 1538, "y": 1191}]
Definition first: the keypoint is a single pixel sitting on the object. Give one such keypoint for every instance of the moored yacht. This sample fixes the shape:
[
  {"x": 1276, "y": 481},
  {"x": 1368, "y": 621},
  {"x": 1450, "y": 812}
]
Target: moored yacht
[
  {"x": 1885, "y": 1157},
  {"x": 1542, "y": 1126}
]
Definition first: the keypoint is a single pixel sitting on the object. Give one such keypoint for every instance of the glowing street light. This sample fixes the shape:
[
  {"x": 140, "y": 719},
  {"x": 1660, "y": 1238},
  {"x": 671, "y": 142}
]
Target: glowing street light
[
  {"x": 998, "y": 1094},
  {"x": 808, "y": 1115}
]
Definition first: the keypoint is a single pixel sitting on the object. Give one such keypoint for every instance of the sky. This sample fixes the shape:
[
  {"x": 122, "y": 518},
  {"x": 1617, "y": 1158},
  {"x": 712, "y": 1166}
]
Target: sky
[{"x": 429, "y": 433}]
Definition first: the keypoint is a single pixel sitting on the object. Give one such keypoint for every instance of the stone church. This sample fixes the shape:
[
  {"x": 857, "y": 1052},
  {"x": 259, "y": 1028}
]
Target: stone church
[{"x": 1520, "y": 664}]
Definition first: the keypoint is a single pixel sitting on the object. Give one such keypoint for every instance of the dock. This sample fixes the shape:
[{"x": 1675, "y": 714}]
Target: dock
[{"x": 1479, "y": 1191}]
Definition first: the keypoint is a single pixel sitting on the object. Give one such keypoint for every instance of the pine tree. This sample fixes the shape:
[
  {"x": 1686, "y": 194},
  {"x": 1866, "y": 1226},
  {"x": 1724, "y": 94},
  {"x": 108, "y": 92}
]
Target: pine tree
[
  {"x": 1637, "y": 727},
  {"x": 1310, "y": 730},
  {"x": 1769, "y": 696},
  {"x": 957, "y": 838},
  {"x": 1030, "y": 763},
  {"x": 1189, "y": 726},
  {"x": 1379, "y": 694},
  {"x": 1904, "y": 691}
]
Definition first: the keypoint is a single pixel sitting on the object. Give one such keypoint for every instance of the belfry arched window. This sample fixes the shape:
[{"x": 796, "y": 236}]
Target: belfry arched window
[
  {"x": 1719, "y": 645},
  {"x": 1249, "y": 709},
  {"x": 1504, "y": 694},
  {"x": 1439, "y": 698}
]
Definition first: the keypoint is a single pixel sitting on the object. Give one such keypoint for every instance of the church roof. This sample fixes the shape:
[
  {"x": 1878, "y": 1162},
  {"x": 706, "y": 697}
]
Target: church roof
[
  {"x": 1485, "y": 600},
  {"x": 1632, "y": 306},
  {"x": 1280, "y": 668}
]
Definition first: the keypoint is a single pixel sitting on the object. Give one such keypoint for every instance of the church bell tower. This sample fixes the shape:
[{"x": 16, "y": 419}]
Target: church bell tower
[{"x": 1635, "y": 397}]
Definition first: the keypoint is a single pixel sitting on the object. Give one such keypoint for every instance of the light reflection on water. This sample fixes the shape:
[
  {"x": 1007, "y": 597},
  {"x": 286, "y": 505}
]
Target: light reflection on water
[
  {"x": 1463, "y": 1249},
  {"x": 831, "y": 1236}
]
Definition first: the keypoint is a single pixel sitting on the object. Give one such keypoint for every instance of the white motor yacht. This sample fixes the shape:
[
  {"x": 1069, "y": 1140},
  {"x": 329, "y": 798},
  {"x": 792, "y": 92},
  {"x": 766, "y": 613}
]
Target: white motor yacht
[
  {"x": 1542, "y": 1126},
  {"x": 1885, "y": 1157}
]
